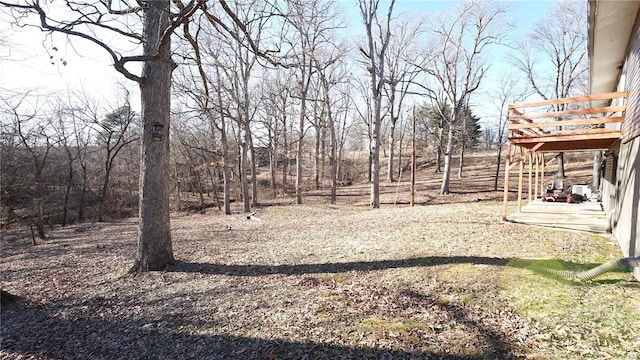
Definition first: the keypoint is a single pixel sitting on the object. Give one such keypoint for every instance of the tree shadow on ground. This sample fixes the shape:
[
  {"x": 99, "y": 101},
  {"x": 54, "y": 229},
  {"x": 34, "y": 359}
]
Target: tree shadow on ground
[
  {"x": 63, "y": 337},
  {"x": 540, "y": 267},
  {"x": 301, "y": 269},
  {"x": 498, "y": 345}
]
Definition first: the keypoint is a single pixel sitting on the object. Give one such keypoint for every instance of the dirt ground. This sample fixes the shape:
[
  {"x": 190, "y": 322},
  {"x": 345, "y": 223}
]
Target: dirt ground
[{"x": 445, "y": 279}]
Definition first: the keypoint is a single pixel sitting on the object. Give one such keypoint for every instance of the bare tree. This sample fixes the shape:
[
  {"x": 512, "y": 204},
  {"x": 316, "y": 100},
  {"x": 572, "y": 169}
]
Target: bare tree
[
  {"x": 279, "y": 101},
  {"x": 105, "y": 24},
  {"x": 312, "y": 24},
  {"x": 31, "y": 128},
  {"x": 375, "y": 53},
  {"x": 461, "y": 38},
  {"x": 508, "y": 91},
  {"x": 212, "y": 105},
  {"x": 224, "y": 137},
  {"x": 97, "y": 22},
  {"x": 554, "y": 55},
  {"x": 66, "y": 130},
  {"x": 115, "y": 131},
  {"x": 237, "y": 63},
  {"x": 401, "y": 73},
  {"x": 330, "y": 76},
  {"x": 365, "y": 115},
  {"x": 80, "y": 110},
  {"x": 344, "y": 123}
]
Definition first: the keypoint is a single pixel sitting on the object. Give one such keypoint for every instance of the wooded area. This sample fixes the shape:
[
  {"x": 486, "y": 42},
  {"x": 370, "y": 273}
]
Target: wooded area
[
  {"x": 275, "y": 179},
  {"x": 446, "y": 279},
  {"x": 257, "y": 84},
  {"x": 247, "y": 85}
]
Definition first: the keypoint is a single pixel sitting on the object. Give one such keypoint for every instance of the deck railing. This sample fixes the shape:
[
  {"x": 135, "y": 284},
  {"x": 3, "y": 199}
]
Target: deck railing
[{"x": 568, "y": 119}]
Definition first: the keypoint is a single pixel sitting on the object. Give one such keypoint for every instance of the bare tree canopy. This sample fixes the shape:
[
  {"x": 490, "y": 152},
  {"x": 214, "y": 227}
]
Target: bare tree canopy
[
  {"x": 554, "y": 56},
  {"x": 378, "y": 37},
  {"x": 461, "y": 41},
  {"x": 149, "y": 25}
]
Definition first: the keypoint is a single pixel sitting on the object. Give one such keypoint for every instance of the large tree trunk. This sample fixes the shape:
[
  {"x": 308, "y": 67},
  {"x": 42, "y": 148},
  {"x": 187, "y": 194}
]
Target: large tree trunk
[
  {"x": 285, "y": 146},
  {"x": 461, "y": 163},
  {"x": 375, "y": 156},
  {"x": 333, "y": 162},
  {"x": 499, "y": 161},
  {"x": 226, "y": 170},
  {"x": 273, "y": 147},
  {"x": 444, "y": 189},
  {"x": 392, "y": 130},
  {"x": 317, "y": 159},
  {"x": 299, "y": 149},
  {"x": 370, "y": 160},
  {"x": 154, "y": 243},
  {"x": 254, "y": 178},
  {"x": 244, "y": 167},
  {"x": 439, "y": 151},
  {"x": 462, "y": 144},
  {"x": 400, "y": 144},
  {"x": 323, "y": 156},
  {"x": 596, "y": 173},
  {"x": 561, "y": 174}
]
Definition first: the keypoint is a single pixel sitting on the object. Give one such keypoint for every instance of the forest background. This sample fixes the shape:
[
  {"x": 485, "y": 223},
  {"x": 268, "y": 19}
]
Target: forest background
[{"x": 317, "y": 92}]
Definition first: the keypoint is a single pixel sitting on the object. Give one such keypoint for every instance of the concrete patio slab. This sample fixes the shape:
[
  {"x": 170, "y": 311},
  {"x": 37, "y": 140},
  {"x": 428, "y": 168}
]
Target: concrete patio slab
[{"x": 587, "y": 216}]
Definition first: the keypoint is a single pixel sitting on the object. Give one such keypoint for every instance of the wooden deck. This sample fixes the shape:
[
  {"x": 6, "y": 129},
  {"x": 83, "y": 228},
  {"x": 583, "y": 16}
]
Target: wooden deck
[
  {"x": 535, "y": 129},
  {"x": 567, "y": 124}
]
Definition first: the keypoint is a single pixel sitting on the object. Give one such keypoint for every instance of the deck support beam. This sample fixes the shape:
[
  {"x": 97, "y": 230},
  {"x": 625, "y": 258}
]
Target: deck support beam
[
  {"x": 536, "y": 184},
  {"x": 505, "y": 198},
  {"x": 529, "y": 187},
  {"x": 520, "y": 179}
]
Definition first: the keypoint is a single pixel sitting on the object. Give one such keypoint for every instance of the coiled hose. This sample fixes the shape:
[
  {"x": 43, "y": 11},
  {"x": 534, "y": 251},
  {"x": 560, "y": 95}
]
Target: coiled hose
[{"x": 613, "y": 265}]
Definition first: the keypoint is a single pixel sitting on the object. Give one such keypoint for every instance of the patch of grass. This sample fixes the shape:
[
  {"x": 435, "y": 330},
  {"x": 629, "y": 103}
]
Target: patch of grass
[{"x": 572, "y": 320}]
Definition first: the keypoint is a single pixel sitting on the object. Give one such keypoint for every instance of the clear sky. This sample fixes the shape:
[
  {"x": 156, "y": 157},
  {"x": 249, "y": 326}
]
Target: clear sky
[{"x": 31, "y": 61}]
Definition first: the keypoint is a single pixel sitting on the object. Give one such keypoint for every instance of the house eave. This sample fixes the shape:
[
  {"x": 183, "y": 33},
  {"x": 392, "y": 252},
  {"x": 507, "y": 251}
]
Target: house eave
[{"x": 610, "y": 27}]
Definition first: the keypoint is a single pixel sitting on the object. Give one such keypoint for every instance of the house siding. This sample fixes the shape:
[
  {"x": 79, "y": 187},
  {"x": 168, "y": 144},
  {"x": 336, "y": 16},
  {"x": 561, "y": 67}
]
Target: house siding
[
  {"x": 621, "y": 186},
  {"x": 631, "y": 70}
]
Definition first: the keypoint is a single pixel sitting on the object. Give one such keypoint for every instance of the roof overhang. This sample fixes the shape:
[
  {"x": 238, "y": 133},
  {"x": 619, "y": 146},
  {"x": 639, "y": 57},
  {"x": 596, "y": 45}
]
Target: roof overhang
[{"x": 611, "y": 23}]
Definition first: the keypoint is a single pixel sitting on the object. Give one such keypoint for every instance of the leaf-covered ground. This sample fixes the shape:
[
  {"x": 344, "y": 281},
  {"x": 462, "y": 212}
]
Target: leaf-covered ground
[
  {"x": 321, "y": 282},
  {"x": 443, "y": 280}
]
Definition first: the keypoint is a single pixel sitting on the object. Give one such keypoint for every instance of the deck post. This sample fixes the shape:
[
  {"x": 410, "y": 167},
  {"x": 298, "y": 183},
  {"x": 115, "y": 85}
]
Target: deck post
[
  {"x": 529, "y": 186},
  {"x": 542, "y": 174},
  {"x": 535, "y": 186},
  {"x": 505, "y": 199},
  {"x": 520, "y": 179}
]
